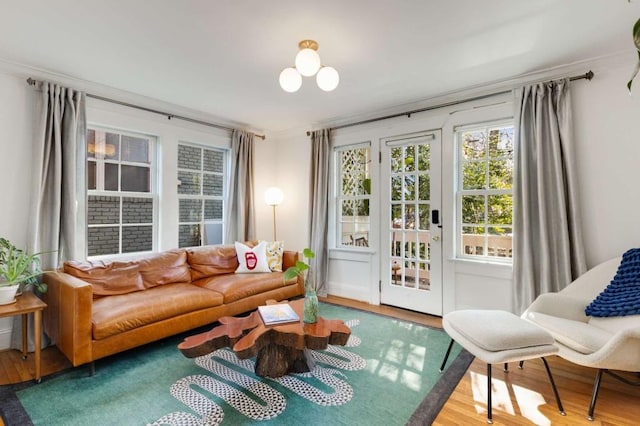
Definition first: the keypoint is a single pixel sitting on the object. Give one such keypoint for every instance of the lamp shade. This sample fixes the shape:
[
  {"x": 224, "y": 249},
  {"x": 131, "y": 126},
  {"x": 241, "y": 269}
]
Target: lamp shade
[
  {"x": 307, "y": 62},
  {"x": 290, "y": 80},
  {"x": 273, "y": 196},
  {"x": 327, "y": 78}
]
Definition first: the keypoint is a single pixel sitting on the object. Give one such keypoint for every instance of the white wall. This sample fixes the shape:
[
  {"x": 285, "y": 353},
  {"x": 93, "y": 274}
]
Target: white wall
[{"x": 16, "y": 111}]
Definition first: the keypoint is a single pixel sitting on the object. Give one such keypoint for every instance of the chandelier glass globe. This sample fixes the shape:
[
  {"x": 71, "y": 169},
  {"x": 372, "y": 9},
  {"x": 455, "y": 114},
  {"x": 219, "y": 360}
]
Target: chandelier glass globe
[
  {"x": 290, "y": 80},
  {"x": 327, "y": 78},
  {"x": 307, "y": 62}
]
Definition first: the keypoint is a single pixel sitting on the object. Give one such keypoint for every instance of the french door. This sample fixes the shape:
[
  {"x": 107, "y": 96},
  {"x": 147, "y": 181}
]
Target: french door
[{"x": 411, "y": 236}]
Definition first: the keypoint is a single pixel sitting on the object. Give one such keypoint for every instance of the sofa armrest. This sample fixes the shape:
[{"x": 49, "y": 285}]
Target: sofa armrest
[{"x": 68, "y": 315}]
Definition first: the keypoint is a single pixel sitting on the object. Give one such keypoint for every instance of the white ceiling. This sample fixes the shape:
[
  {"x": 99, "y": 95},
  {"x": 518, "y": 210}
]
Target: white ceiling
[{"x": 223, "y": 57}]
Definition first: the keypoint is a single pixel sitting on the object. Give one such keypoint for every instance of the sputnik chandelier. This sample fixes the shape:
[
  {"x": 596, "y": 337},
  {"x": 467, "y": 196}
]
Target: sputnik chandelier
[{"x": 308, "y": 64}]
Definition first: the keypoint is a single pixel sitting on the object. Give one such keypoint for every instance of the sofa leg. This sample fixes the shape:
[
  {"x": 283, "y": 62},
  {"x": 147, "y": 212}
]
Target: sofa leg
[
  {"x": 92, "y": 368},
  {"x": 594, "y": 394}
]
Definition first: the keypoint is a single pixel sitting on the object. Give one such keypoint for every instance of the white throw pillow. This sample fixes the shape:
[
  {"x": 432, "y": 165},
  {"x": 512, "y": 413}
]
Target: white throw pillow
[{"x": 251, "y": 260}]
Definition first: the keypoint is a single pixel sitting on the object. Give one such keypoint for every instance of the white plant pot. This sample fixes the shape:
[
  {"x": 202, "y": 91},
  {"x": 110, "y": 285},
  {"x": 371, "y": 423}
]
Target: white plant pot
[{"x": 8, "y": 294}]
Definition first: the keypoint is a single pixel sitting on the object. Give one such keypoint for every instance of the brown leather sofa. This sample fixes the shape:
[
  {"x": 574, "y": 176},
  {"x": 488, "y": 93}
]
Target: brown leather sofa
[{"x": 96, "y": 308}]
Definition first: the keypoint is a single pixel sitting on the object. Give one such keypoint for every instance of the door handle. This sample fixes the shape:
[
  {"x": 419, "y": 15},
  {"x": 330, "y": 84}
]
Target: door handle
[{"x": 435, "y": 238}]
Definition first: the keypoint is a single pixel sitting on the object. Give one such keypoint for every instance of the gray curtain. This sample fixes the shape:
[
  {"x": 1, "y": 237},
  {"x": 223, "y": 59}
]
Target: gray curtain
[
  {"x": 58, "y": 182},
  {"x": 241, "y": 218},
  {"x": 318, "y": 205},
  {"x": 548, "y": 247}
]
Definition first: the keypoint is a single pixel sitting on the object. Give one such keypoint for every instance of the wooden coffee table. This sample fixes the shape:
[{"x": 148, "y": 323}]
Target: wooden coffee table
[{"x": 279, "y": 349}]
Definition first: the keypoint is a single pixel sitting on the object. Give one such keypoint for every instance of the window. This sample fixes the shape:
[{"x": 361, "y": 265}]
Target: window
[
  {"x": 120, "y": 192},
  {"x": 201, "y": 183},
  {"x": 354, "y": 195},
  {"x": 485, "y": 194}
]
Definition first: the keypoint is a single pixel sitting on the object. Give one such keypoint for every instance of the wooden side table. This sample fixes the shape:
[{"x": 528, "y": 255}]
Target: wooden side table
[{"x": 24, "y": 305}]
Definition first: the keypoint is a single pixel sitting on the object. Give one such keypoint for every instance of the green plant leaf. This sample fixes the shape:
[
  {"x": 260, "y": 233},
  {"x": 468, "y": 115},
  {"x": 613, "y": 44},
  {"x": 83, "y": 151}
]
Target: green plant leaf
[
  {"x": 635, "y": 72},
  {"x": 301, "y": 266},
  {"x": 636, "y": 34},
  {"x": 308, "y": 253},
  {"x": 290, "y": 273}
]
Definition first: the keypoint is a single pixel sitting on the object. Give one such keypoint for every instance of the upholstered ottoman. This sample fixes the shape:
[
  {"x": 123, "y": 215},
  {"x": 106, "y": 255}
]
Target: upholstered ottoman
[{"x": 499, "y": 337}]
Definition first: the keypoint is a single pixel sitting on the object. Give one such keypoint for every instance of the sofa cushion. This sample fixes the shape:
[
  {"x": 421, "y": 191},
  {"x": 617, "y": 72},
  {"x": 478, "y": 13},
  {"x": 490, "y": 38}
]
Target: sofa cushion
[
  {"x": 212, "y": 260},
  {"x": 107, "y": 278},
  {"x": 117, "y": 314},
  {"x": 577, "y": 335},
  {"x": 235, "y": 287},
  {"x": 165, "y": 268}
]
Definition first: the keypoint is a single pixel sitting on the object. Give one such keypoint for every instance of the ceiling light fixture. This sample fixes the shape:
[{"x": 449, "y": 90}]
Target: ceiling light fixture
[{"x": 308, "y": 64}]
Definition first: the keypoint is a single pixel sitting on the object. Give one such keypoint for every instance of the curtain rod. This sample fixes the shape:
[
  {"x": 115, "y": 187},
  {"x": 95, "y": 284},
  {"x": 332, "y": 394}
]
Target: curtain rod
[
  {"x": 587, "y": 76},
  {"x": 169, "y": 116}
]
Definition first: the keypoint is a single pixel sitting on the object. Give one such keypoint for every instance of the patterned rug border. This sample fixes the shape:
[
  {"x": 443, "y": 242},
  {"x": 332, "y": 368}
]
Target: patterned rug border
[{"x": 13, "y": 413}]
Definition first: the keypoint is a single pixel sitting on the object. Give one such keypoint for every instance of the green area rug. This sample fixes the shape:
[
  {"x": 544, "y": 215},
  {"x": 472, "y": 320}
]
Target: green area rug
[{"x": 387, "y": 374}]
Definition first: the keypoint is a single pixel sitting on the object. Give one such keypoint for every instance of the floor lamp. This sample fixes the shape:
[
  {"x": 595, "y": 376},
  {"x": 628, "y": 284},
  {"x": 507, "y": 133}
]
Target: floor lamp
[{"x": 273, "y": 197}]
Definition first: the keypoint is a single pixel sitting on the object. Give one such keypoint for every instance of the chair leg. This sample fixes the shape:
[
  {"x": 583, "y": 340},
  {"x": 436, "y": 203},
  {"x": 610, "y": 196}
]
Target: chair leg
[
  {"x": 521, "y": 365},
  {"x": 489, "y": 412},
  {"x": 555, "y": 389},
  {"x": 594, "y": 394},
  {"x": 446, "y": 357},
  {"x": 506, "y": 367}
]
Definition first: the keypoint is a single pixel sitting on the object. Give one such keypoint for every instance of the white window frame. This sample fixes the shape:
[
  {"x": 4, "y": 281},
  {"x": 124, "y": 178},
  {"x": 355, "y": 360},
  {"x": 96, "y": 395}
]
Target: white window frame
[
  {"x": 339, "y": 198},
  {"x": 223, "y": 198},
  {"x": 101, "y": 192},
  {"x": 460, "y": 192}
]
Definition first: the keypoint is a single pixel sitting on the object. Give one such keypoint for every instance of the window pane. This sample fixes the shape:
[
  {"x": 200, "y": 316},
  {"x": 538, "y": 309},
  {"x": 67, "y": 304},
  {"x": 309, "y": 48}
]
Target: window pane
[
  {"x": 501, "y": 142},
  {"x": 91, "y": 175},
  {"x": 347, "y": 208},
  {"x": 135, "y": 149},
  {"x": 189, "y": 235},
  {"x": 103, "y": 241},
  {"x": 189, "y": 157},
  {"x": 103, "y": 210},
  {"x": 91, "y": 143},
  {"x": 111, "y": 177},
  {"x": 474, "y": 175},
  {"x": 409, "y": 158},
  {"x": 212, "y": 185},
  {"x": 362, "y": 208},
  {"x": 424, "y": 192},
  {"x": 189, "y": 183},
  {"x": 136, "y": 179},
  {"x": 190, "y": 210},
  {"x": 213, "y": 209},
  {"x": 500, "y": 209},
  {"x": 500, "y": 174},
  {"x": 473, "y": 209},
  {"x": 473, "y": 240},
  {"x": 474, "y": 145},
  {"x": 137, "y": 238},
  {"x": 213, "y": 161},
  {"x": 109, "y": 146},
  {"x": 423, "y": 216},
  {"x": 137, "y": 210},
  {"x": 354, "y": 171}
]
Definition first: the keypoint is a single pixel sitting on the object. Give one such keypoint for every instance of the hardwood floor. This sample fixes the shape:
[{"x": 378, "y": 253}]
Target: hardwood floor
[{"x": 520, "y": 397}]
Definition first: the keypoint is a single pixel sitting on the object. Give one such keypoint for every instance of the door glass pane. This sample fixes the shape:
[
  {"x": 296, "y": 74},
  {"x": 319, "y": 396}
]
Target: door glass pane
[
  {"x": 423, "y": 157},
  {"x": 424, "y": 191},
  {"x": 409, "y": 216},
  {"x": 409, "y": 158},
  {"x": 396, "y": 159},
  {"x": 410, "y": 187},
  {"x": 396, "y": 215},
  {"x": 396, "y": 188},
  {"x": 423, "y": 217}
]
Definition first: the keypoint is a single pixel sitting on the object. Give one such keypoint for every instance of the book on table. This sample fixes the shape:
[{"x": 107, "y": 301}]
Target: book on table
[{"x": 277, "y": 314}]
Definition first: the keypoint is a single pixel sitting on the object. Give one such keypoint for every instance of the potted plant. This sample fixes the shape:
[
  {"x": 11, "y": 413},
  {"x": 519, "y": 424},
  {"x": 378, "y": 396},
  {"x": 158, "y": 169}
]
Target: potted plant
[
  {"x": 302, "y": 269},
  {"x": 17, "y": 269}
]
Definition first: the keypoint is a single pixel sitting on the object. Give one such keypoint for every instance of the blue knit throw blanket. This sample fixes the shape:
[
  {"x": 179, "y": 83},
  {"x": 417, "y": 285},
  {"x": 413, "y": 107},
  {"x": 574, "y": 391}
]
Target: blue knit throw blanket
[{"x": 622, "y": 295}]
